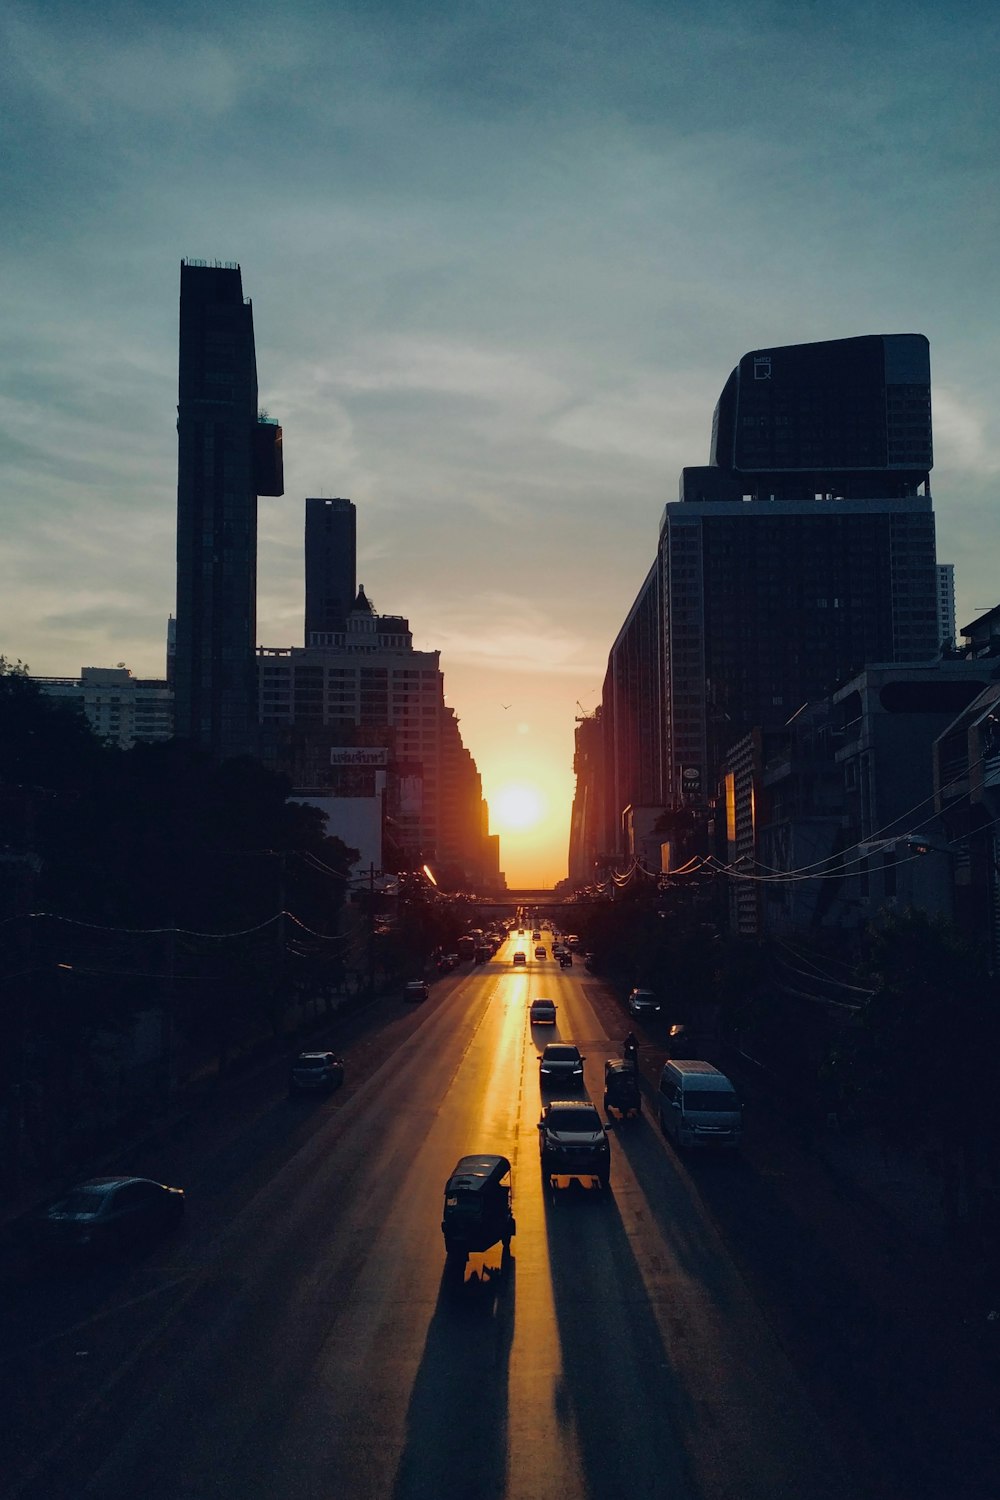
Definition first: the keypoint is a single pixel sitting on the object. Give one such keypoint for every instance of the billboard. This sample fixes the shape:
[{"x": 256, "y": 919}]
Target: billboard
[{"x": 359, "y": 755}]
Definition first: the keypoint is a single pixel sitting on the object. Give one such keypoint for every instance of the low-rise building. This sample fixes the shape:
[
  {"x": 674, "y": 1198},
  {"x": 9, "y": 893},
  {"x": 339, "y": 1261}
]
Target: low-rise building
[{"x": 123, "y": 710}]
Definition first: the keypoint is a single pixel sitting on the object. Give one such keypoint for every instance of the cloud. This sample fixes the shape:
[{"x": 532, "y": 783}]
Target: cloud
[
  {"x": 966, "y": 434},
  {"x": 503, "y": 632}
]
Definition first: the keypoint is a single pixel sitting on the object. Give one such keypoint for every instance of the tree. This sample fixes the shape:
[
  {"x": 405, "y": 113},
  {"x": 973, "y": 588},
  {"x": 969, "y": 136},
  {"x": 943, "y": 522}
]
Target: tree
[{"x": 44, "y": 741}]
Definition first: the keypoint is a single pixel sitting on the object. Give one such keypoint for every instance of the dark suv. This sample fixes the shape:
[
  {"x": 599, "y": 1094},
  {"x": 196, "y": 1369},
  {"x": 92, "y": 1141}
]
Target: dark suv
[
  {"x": 561, "y": 1064},
  {"x": 573, "y": 1141}
]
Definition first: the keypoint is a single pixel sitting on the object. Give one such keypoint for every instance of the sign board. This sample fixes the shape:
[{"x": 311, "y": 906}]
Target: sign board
[
  {"x": 691, "y": 781},
  {"x": 358, "y": 755}
]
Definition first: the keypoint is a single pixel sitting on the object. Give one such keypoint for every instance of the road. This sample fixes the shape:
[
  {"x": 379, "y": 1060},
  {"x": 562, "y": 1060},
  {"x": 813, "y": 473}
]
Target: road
[{"x": 299, "y": 1337}]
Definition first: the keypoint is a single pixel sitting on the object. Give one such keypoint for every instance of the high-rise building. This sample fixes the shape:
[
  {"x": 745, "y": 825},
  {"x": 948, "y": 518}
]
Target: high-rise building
[
  {"x": 946, "y": 603},
  {"x": 804, "y": 551},
  {"x": 228, "y": 453},
  {"x": 633, "y": 710},
  {"x": 331, "y": 565}
]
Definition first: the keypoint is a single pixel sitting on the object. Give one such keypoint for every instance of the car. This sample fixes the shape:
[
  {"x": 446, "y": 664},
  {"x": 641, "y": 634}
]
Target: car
[
  {"x": 520, "y": 957},
  {"x": 535, "y": 936},
  {"x": 561, "y": 1064},
  {"x": 416, "y": 989},
  {"x": 542, "y": 1012},
  {"x": 540, "y": 952},
  {"x": 573, "y": 1141},
  {"x": 643, "y": 1003},
  {"x": 108, "y": 1214},
  {"x": 314, "y": 1072},
  {"x": 565, "y": 960}
]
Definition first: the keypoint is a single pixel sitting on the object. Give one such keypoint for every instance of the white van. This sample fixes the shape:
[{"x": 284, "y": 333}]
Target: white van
[{"x": 698, "y": 1105}]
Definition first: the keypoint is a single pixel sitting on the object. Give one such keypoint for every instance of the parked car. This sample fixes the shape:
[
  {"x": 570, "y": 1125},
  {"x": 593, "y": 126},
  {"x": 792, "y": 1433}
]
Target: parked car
[
  {"x": 108, "y": 1214},
  {"x": 314, "y": 1072},
  {"x": 542, "y": 1012},
  {"x": 561, "y": 1064},
  {"x": 643, "y": 1003},
  {"x": 520, "y": 957},
  {"x": 573, "y": 1141},
  {"x": 416, "y": 989}
]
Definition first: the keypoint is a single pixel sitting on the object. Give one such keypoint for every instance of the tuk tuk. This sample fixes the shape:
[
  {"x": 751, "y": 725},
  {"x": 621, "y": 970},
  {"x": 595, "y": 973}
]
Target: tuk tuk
[
  {"x": 477, "y": 1206},
  {"x": 622, "y": 1100}
]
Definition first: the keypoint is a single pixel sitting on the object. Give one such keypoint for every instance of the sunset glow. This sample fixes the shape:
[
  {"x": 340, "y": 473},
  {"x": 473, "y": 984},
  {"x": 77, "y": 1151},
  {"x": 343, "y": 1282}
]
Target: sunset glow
[{"x": 517, "y": 807}]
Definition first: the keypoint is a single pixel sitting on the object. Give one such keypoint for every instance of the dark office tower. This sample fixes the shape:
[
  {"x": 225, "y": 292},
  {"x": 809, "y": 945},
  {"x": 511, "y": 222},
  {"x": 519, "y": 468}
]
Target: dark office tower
[
  {"x": 806, "y": 550},
  {"x": 228, "y": 453},
  {"x": 331, "y": 566},
  {"x": 851, "y": 417}
]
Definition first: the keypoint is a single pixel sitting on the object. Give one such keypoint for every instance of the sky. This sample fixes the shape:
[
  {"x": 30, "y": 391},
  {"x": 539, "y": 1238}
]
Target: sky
[{"x": 502, "y": 259}]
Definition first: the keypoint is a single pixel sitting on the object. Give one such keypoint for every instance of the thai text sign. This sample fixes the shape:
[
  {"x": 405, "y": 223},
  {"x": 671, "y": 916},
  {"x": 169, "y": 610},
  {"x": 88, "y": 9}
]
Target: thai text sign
[{"x": 357, "y": 755}]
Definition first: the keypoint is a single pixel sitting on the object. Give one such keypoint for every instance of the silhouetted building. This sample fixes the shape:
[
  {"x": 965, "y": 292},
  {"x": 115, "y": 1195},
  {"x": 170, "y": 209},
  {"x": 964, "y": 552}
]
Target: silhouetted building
[
  {"x": 810, "y": 554},
  {"x": 851, "y": 417},
  {"x": 633, "y": 713},
  {"x": 587, "y": 823},
  {"x": 803, "y": 550},
  {"x": 331, "y": 565},
  {"x": 359, "y": 714},
  {"x": 228, "y": 453}
]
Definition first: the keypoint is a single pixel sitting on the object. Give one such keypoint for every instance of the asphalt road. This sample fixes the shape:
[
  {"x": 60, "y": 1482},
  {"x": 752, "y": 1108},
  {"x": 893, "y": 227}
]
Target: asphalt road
[{"x": 300, "y": 1338}]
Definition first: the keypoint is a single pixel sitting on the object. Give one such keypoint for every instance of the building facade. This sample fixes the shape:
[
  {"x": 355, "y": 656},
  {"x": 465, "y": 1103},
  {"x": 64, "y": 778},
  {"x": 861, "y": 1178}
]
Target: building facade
[
  {"x": 365, "y": 689},
  {"x": 331, "y": 565},
  {"x": 769, "y": 604},
  {"x": 946, "y": 603},
  {"x": 228, "y": 453},
  {"x": 804, "y": 550},
  {"x": 121, "y": 709},
  {"x": 632, "y": 715}
]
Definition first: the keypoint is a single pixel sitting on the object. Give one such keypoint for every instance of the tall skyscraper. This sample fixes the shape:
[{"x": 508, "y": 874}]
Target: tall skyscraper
[
  {"x": 228, "y": 453},
  {"x": 331, "y": 565},
  {"x": 804, "y": 551}
]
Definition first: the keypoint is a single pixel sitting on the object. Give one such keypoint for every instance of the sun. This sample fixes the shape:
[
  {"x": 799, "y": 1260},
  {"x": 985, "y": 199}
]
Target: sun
[{"x": 517, "y": 806}]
